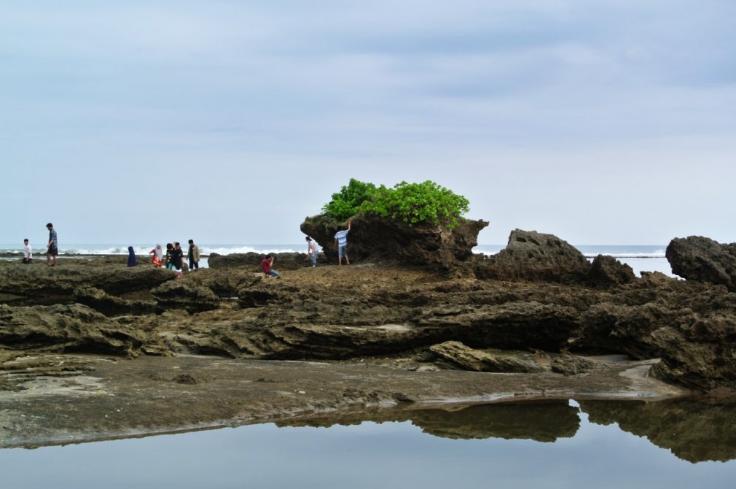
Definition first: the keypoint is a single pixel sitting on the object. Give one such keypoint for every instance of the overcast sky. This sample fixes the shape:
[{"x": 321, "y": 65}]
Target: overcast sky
[{"x": 230, "y": 121}]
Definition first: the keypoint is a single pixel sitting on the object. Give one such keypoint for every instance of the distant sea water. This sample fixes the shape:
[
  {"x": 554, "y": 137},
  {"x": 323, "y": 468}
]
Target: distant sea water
[{"x": 642, "y": 258}]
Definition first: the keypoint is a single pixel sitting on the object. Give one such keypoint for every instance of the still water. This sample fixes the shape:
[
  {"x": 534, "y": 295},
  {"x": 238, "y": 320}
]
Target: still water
[{"x": 681, "y": 444}]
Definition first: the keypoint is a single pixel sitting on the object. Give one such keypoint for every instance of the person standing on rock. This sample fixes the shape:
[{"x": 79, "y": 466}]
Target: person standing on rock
[
  {"x": 267, "y": 267},
  {"x": 341, "y": 239},
  {"x": 193, "y": 255},
  {"x": 27, "y": 252},
  {"x": 132, "y": 259},
  {"x": 157, "y": 256},
  {"x": 52, "y": 249},
  {"x": 169, "y": 256},
  {"x": 177, "y": 255},
  {"x": 312, "y": 250}
]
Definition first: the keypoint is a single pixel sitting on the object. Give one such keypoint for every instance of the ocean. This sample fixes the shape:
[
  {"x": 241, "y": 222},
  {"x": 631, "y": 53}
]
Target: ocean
[{"x": 642, "y": 258}]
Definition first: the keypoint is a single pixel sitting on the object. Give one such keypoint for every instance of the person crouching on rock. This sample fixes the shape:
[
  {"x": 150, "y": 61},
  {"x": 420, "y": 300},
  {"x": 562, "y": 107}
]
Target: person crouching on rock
[
  {"x": 312, "y": 250},
  {"x": 27, "y": 252},
  {"x": 267, "y": 267},
  {"x": 341, "y": 239},
  {"x": 132, "y": 259},
  {"x": 157, "y": 256},
  {"x": 169, "y": 256}
]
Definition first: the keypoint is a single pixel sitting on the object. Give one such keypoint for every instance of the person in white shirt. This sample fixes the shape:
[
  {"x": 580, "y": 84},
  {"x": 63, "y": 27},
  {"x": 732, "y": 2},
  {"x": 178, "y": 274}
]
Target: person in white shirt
[
  {"x": 341, "y": 240},
  {"x": 27, "y": 252},
  {"x": 312, "y": 250}
]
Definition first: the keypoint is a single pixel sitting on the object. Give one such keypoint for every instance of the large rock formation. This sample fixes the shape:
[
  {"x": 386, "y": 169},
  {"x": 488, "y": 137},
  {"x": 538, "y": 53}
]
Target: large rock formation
[
  {"x": 704, "y": 260},
  {"x": 380, "y": 240},
  {"x": 530, "y": 255}
]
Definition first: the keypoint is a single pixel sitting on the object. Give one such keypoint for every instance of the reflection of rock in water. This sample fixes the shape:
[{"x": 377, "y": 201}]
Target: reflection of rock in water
[
  {"x": 541, "y": 421},
  {"x": 544, "y": 421},
  {"x": 693, "y": 430}
]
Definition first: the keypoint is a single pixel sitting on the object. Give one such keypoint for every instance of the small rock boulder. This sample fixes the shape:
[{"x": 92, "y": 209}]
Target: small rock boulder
[
  {"x": 530, "y": 255},
  {"x": 486, "y": 360},
  {"x": 606, "y": 271},
  {"x": 703, "y": 260}
]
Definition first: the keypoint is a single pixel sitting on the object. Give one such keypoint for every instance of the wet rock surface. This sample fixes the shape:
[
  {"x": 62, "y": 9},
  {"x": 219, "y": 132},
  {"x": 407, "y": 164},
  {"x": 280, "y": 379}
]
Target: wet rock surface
[
  {"x": 703, "y": 259},
  {"x": 60, "y": 399}
]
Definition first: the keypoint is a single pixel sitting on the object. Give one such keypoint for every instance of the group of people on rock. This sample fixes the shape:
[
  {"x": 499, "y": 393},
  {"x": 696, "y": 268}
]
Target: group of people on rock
[
  {"x": 52, "y": 248},
  {"x": 173, "y": 258}
]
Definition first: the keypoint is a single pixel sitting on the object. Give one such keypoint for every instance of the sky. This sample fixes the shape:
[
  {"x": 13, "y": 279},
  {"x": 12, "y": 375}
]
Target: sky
[{"x": 603, "y": 122}]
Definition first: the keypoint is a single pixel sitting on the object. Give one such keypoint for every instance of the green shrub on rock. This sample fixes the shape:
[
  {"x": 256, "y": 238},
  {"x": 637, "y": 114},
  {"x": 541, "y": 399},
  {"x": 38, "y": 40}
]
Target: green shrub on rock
[{"x": 412, "y": 203}]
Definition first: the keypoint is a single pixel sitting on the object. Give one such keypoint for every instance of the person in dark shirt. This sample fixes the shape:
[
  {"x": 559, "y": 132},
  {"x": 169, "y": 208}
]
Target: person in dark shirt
[
  {"x": 52, "y": 250},
  {"x": 177, "y": 255},
  {"x": 193, "y": 256},
  {"x": 169, "y": 256}
]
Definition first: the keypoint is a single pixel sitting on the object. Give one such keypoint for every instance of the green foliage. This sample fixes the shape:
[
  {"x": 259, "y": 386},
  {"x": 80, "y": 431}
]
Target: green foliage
[
  {"x": 413, "y": 203},
  {"x": 346, "y": 203}
]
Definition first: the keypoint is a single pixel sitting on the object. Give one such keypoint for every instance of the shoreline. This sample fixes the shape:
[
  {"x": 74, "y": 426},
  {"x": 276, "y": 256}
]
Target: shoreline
[{"x": 95, "y": 399}]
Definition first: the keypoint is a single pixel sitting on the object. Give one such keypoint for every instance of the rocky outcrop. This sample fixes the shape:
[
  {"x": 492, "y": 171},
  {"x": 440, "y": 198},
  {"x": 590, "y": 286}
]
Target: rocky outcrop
[
  {"x": 381, "y": 240},
  {"x": 702, "y": 259},
  {"x": 37, "y": 284},
  {"x": 184, "y": 295},
  {"x": 530, "y": 255},
  {"x": 252, "y": 261},
  {"x": 371, "y": 311},
  {"x": 66, "y": 328},
  {"x": 606, "y": 271},
  {"x": 111, "y": 305},
  {"x": 486, "y": 360},
  {"x": 224, "y": 283}
]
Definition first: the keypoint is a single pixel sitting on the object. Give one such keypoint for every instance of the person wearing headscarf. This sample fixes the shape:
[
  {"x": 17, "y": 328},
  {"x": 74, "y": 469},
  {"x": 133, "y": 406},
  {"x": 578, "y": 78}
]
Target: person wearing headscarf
[
  {"x": 132, "y": 259},
  {"x": 157, "y": 256}
]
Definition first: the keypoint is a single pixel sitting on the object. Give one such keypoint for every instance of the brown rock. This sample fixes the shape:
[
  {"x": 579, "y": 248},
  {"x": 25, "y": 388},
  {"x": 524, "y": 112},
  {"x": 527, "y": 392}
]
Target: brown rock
[
  {"x": 530, "y": 255},
  {"x": 381, "y": 240},
  {"x": 606, "y": 271},
  {"x": 486, "y": 360},
  {"x": 704, "y": 260}
]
